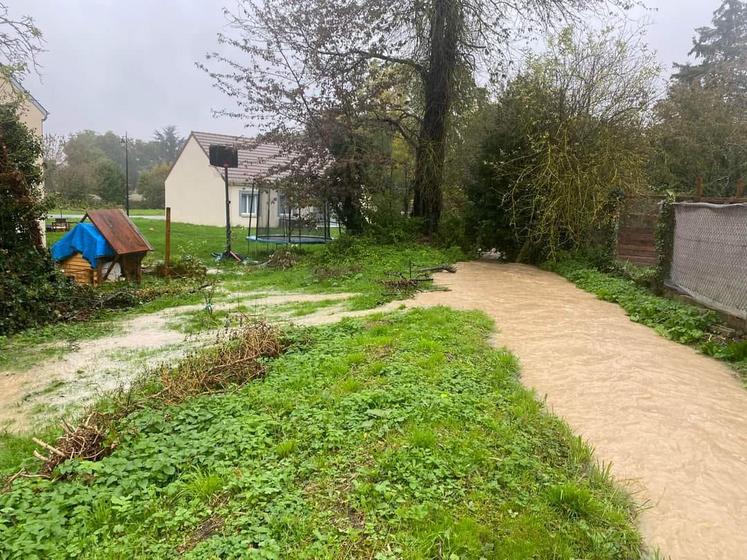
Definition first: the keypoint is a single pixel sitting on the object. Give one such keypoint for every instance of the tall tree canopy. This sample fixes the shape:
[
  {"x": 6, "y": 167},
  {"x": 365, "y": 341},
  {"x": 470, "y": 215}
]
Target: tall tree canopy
[
  {"x": 303, "y": 62},
  {"x": 88, "y": 163},
  {"x": 721, "y": 50},
  {"x": 152, "y": 185},
  {"x": 700, "y": 128},
  {"x": 566, "y": 145}
]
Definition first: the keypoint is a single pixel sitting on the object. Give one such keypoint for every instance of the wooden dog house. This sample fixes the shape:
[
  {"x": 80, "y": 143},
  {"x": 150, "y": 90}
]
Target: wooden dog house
[{"x": 90, "y": 252}]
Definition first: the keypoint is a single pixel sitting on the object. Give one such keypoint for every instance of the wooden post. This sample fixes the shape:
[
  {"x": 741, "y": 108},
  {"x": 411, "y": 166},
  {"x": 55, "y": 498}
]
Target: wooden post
[
  {"x": 699, "y": 188},
  {"x": 167, "y": 249},
  {"x": 740, "y": 188}
]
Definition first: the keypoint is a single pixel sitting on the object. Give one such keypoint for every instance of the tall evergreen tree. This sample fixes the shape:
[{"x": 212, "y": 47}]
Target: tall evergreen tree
[
  {"x": 700, "y": 129},
  {"x": 721, "y": 50}
]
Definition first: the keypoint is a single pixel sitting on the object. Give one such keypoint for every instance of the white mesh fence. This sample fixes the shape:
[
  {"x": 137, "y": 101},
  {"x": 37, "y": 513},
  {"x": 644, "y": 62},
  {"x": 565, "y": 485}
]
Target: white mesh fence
[{"x": 709, "y": 261}]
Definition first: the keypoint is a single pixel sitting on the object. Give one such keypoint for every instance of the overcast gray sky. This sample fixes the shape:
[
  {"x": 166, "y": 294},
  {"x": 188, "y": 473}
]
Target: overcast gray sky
[{"x": 130, "y": 64}]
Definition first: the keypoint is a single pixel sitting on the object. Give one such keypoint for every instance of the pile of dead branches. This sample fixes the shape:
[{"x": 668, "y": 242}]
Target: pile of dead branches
[
  {"x": 236, "y": 360},
  {"x": 403, "y": 284},
  {"x": 282, "y": 259},
  {"x": 87, "y": 441}
]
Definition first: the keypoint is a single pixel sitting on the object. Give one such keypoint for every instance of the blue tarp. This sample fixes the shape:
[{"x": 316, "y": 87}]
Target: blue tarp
[{"x": 85, "y": 239}]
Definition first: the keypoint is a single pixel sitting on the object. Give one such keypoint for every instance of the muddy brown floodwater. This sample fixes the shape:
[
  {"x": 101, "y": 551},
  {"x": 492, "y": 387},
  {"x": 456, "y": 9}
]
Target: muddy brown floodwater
[{"x": 671, "y": 422}]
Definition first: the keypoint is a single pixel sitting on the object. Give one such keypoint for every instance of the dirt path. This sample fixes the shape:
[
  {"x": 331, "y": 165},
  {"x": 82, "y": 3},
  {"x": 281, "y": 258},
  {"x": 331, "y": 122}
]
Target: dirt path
[
  {"x": 672, "y": 423},
  {"x": 45, "y": 390},
  {"x": 58, "y": 386}
]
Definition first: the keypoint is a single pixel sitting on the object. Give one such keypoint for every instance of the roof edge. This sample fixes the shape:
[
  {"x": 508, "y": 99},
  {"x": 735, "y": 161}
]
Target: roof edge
[
  {"x": 181, "y": 151},
  {"x": 35, "y": 102}
]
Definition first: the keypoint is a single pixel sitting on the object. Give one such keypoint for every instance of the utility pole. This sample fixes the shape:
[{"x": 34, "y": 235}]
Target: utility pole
[
  {"x": 127, "y": 174},
  {"x": 228, "y": 252}
]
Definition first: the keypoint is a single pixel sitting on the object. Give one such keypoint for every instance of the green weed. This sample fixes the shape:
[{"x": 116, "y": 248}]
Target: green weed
[
  {"x": 331, "y": 456},
  {"x": 203, "y": 485}
]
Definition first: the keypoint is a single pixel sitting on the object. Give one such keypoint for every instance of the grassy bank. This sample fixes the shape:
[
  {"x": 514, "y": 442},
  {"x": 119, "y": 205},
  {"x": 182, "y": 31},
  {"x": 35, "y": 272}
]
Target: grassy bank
[
  {"x": 367, "y": 439},
  {"x": 186, "y": 239},
  {"x": 81, "y": 211},
  {"x": 357, "y": 265},
  {"x": 674, "y": 320}
]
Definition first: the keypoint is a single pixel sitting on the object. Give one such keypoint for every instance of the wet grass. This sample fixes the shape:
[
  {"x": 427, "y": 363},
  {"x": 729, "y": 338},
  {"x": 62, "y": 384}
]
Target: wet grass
[
  {"x": 81, "y": 211},
  {"x": 365, "y": 439},
  {"x": 17, "y": 451}
]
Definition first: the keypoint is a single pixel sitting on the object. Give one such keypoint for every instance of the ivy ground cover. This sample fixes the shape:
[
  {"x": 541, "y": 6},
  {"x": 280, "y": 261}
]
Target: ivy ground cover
[{"x": 399, "y": 436}]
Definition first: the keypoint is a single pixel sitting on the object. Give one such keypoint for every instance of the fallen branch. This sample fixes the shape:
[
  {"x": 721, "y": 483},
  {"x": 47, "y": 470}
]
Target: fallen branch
[
  {"x": 440, "y": 268},
  {"x": 48, "y": 447}
]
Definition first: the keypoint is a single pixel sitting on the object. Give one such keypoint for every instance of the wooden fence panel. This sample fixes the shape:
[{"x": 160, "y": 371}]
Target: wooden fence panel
[{"x": 636, "y": 236}]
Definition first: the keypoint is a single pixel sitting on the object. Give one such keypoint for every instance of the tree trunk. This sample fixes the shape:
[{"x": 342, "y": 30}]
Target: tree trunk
[{"x": 446, "y": 23}]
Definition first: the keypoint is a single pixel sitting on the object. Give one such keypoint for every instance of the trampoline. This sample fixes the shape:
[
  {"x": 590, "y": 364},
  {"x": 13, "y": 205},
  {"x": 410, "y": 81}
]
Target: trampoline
[
  {"x": 284, "y": 219},
  {"x": 290, "y": 240}
]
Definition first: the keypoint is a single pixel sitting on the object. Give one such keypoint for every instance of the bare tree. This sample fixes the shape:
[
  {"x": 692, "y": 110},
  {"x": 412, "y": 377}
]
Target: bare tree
[
  {"x": 396, "y": 62},
  {"x": 20, "y": 42}
]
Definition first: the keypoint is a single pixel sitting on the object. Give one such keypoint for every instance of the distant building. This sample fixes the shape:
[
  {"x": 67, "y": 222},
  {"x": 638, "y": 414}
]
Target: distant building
[{"x": 195, "y": 190}]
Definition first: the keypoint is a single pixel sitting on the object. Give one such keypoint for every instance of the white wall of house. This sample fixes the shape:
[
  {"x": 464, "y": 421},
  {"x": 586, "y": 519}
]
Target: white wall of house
[
  {"x": 29, "y": 113},
  {"x": 194, "y": 189},
  {"x": 32, "y": 117},
  {"x": 195, "y": 192}
]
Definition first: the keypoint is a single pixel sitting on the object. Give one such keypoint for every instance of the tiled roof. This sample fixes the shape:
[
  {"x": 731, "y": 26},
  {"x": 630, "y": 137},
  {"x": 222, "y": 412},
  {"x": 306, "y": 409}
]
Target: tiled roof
[{"x": 256, "y": 159}]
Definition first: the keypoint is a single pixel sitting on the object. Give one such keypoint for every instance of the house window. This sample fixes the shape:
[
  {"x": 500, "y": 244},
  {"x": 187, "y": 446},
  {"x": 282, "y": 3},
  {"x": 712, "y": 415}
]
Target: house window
[
  {"x": 282, "y": 204},
  {"x": 248, "y": 203}
]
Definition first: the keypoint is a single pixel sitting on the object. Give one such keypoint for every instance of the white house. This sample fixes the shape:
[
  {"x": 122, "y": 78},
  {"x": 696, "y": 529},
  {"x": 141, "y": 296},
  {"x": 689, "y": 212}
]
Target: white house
[
  {"x": 195, "y": 190},
  {"x": 31, "y": 112}
]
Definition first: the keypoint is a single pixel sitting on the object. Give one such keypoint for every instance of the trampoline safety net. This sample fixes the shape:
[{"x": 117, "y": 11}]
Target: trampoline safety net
[
  {"x": 709, "y": 261},
  {"x": 281, "y": 220}
]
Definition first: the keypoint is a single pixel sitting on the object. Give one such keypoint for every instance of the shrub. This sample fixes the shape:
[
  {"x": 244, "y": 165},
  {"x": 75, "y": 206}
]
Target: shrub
[
  {"x": 32, "y": 292},
  {"x": 185, "y": 266}
]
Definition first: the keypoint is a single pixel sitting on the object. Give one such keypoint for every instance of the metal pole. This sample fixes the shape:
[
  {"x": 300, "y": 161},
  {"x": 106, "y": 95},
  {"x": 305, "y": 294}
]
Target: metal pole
[
  {"x": 252, "y": 208},
  {"x": 259, "y": 205},
  {"x": 167, "y": 255},
  {"x": 269, "y": 208},
  {"x": 228, "y": 213},
  {"x": 127, "y": 175}
]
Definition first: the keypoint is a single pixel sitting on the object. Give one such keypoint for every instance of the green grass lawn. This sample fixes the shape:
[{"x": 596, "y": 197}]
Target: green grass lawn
[
  {"x": 190, "y": 239},
  {"x": 401, "y": 436},
  {"x": 347, "y": 265},
  {"x": 186, "y": 239},
  {"x": 80, "y": 211}
]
